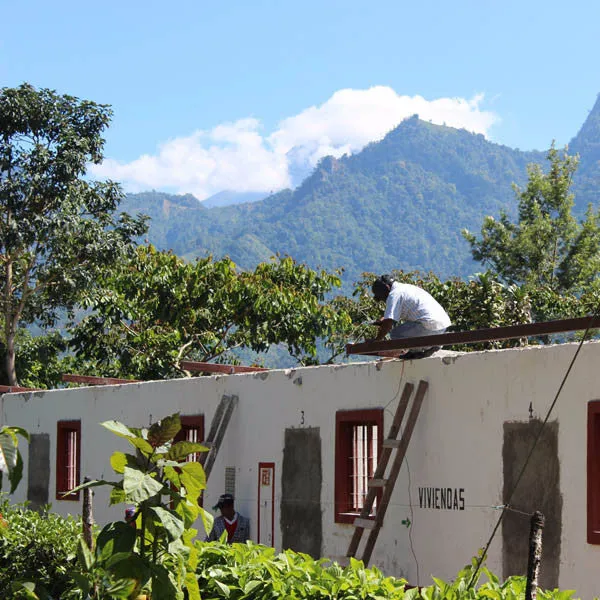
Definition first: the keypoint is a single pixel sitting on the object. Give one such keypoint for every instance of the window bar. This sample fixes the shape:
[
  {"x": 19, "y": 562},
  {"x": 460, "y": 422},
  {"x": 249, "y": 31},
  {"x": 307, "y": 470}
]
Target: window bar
[{"x": 71, "y": 459}]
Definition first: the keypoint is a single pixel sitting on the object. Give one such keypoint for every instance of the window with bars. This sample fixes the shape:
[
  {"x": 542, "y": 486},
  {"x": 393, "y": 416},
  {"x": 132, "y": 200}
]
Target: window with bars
[
  {"x": 358, "y": 447},
  {"x": 192, "y": 430},
  {"x": 593, "y": 473},
  {"x": 68, "y": 458}
]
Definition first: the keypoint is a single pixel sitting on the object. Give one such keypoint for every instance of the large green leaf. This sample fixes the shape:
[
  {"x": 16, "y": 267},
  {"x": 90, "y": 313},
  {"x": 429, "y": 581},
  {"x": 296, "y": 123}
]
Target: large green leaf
[
  {"x": 188, "y": 511},
  {"x": 172, "y": 476},
  {"x": 193, "y": 478},
  {"x": 11, "y": 462},
  {"x": 122, "y": 588},
  {"x": 139, "y": 486},
  {"x": 115, "y": 538},
  {"x": 182, "y": 449},
  {"x": 8, "y": 451},
  {"x": 207, "y": 520},
  {"x": 19, "y": 431},
  {"x": 25, "y": 590},
  {"x": 86, "y": 558},
  {"x": 164, "y": 430},
  {"x": 92, "y": 483},
  {"x": 171, "y": 521},
  {"x": 118, "y": 429},
  {"x": 192, "y": 587},
  {"x": 162, "y": 585},
  {"x": 223, "y": 588},
  {"x": 120, "y": 460},
  {"x": 16, "y": 474},
  {"x": 142, "y": 445},
  {"x": 117, "y": 496}
]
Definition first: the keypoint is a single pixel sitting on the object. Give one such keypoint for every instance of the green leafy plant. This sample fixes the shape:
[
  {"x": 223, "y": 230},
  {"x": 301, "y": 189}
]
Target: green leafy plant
[
  {"x": 244, "y": 571},
  {"x": 11, "y": 462},
  {"x": 251, "y": 572},
  {"x": 37, "y": 549},
  {"x": 154, "y": 552}
]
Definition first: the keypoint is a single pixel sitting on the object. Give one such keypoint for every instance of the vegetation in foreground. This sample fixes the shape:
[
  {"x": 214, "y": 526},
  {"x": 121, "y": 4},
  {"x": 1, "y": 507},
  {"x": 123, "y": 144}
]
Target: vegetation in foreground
[
  {"x": 155, "y": 554},
  {"x": 38, "y": 559}
]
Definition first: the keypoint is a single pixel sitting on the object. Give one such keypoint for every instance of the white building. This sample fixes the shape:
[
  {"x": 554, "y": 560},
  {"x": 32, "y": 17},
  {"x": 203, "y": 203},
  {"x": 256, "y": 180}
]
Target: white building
[{"x": 479, "y": 418}]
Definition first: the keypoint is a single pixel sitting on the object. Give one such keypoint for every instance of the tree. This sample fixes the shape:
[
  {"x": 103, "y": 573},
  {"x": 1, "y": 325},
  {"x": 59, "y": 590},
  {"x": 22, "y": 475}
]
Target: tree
[
  {"x": 546, "y": 248},
  {"x": 57, "y": 229},
  {"x": 155, "y": 310},
  {"x": 154, "y": 552}
]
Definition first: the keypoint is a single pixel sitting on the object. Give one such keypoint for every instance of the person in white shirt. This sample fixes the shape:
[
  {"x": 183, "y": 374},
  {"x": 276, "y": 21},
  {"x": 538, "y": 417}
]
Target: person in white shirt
[{"x": 409, "y": 311}]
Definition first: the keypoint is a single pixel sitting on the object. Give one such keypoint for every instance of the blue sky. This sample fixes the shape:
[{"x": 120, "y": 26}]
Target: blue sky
[{"x": 218, "y": 95}]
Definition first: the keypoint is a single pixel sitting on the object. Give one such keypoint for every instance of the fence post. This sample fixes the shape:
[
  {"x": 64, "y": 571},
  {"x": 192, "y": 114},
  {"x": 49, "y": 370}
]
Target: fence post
[
  {"x": 535, "y": 555},
  {"x": 87, "y": 516}
]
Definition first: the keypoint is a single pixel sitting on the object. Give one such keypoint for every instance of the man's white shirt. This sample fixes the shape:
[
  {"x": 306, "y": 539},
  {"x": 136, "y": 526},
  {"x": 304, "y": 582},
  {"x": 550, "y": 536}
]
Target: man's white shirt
[{"x": 408, "y": 302}]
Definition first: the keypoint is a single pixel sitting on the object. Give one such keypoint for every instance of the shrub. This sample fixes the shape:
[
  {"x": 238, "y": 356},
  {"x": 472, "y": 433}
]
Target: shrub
[
  {"x": 36, "y": 547},
  {"x": 251, "y": 572},
  {"x": 244, "y": 571}
]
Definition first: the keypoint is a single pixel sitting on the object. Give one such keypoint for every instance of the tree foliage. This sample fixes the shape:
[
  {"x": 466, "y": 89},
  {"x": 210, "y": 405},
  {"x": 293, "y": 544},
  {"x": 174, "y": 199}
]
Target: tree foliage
[
  {"x": 546, "y": 247},
  {"x": 57, "y": 229},
  {"x": 155, "y": 310}
]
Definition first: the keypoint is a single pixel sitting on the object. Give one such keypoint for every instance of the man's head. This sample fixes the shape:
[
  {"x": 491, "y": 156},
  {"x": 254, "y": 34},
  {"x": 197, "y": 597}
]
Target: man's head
[
  {"x": 381, "y": 287},
  {"x": 225, "y": 505}
]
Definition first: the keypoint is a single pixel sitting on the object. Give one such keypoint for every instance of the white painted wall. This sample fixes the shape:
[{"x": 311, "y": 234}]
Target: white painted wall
[{"x": 457, "y": 443}]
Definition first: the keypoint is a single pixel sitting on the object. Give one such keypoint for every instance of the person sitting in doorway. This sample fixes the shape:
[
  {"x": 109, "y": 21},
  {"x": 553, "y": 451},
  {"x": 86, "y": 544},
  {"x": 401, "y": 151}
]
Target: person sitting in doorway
[
  {"x": 409, "y": 312},
  {"x": 236, "y": 525}
]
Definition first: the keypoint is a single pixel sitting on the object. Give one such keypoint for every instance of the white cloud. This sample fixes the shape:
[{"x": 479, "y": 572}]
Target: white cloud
[{"x": 237, "y": 156}]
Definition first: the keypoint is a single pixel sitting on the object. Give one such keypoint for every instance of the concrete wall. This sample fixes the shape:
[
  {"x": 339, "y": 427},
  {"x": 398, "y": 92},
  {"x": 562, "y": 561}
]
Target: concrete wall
[{"x": 460, "y": 442}]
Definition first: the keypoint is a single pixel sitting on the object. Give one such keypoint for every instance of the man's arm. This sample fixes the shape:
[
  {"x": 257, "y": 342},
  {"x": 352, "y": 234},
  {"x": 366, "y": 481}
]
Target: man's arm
[{"x": 385, "y": 326}]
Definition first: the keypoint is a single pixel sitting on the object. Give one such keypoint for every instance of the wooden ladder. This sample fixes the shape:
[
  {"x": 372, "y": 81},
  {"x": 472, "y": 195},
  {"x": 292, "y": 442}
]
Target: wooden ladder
[
  {"x": 378, "y": 481},
  {"x": 216, "y": 434}
]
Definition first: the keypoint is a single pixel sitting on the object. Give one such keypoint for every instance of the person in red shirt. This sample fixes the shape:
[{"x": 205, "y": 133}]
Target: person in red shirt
[{"x": 230, "y": 521}]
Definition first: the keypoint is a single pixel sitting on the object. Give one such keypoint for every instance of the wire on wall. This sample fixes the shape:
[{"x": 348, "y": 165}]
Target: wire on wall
[{"x": 506, "y": 506}]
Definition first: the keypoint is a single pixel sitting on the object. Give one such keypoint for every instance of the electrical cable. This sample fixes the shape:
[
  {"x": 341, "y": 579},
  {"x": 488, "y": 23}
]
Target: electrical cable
[
  {"x": 506, "y": 506},
  {"x": 410, "y": 527}
]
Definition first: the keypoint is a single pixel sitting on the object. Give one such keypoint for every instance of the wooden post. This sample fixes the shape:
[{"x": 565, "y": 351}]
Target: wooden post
[
  {"x": 87, "y": 516},
  {"x": 535, "y": 555}
]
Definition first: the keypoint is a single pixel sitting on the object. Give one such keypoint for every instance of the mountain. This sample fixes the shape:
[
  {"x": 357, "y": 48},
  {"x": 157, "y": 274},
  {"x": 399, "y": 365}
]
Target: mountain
[
  {"x": 400, "y": 203},
  {"x": 587, "y": 144},
  {"x": 228, "y": 197}
]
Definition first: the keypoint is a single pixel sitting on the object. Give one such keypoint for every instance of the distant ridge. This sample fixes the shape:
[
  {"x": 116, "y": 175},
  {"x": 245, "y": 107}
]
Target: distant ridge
[
  {"x": 227, "y": 198},
  {"x": 400, "y": 203}
]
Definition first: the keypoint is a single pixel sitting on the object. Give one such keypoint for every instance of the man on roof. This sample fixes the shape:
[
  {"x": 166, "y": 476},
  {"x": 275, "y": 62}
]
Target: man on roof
[{"x": 409, "y": 312}]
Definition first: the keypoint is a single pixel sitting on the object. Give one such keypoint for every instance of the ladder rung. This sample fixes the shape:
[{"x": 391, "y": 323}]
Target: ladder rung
[
  {"x": 391, "y": 443},
  {"x": 377, "y": 483},
  {"x": 365, "y": 523}
]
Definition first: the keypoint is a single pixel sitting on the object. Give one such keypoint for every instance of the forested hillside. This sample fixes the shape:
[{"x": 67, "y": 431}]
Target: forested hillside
[{"x": 399, "y": 204}]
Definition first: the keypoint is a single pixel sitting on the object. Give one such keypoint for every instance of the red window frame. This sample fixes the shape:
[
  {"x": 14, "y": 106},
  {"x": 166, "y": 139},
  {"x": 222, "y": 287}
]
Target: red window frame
[
  {"x": 68, "y": 458},
  {"x": 346, "y": 466},
  {"x": 593, "y": 473},
  {"x": 192, "y": 430}
]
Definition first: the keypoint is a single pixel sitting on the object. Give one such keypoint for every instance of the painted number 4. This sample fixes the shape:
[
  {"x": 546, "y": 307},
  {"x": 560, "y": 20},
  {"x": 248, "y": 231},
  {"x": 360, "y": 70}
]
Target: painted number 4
[{"x": 265, "y": 477}]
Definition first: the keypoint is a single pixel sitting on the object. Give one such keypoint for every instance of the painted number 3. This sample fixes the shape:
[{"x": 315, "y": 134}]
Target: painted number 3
[{"x": 265, "y": 477}]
